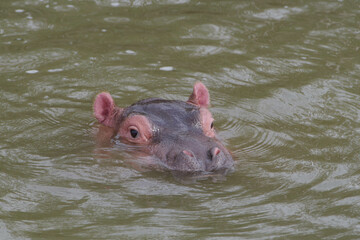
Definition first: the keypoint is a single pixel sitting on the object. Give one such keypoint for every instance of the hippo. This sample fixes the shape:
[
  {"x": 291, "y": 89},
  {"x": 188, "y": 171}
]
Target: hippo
[{"x": 179, "y": 135}]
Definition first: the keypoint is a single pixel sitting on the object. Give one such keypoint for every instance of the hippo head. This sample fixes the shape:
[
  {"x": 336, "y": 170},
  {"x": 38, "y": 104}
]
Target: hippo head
[{"x": 179, "y": 134}]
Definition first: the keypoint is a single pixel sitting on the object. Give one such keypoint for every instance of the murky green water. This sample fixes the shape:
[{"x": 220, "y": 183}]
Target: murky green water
[{"x": 284, "y": 78}]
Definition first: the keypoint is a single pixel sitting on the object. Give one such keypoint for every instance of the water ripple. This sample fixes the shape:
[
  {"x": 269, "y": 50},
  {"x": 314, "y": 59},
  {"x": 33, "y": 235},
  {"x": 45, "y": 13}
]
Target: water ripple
[
  {"x": 278, "y": 13},
  {"x": 281, "y": 66},
  {"x": 139, "y": 3},
  {"x": 31, "y": 60},
  {"x": 201, "y": 50},
  {"x": 210, "y": 32}
]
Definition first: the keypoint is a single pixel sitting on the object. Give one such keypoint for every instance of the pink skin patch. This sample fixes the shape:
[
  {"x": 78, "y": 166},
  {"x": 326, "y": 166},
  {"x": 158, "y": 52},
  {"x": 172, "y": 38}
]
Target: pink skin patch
[
  {"x": 200, "y": 95},
  {"x": 215, "y": 151},
  {"x": 188, "y": 153},
  {"x": 105, "y": 110},
  {"x": 136, "y": 124},
  {"x": 106, "y": 113},
  {"x": 206, "y": 120}
]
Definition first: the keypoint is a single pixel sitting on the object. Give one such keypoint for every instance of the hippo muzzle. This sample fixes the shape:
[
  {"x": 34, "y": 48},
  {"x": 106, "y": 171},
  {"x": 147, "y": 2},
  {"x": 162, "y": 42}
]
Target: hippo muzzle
[{"x": 200, "y": 154}]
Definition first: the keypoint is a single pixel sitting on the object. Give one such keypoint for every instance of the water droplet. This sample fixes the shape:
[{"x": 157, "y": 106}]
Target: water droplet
[
  {"x": 130, "y": 52},
  {"x": 32, "y": 71},
  {"x": 55, "y": 70},
  {"x": 19, "y": 10},
  {"x": 167, "y": 68}
]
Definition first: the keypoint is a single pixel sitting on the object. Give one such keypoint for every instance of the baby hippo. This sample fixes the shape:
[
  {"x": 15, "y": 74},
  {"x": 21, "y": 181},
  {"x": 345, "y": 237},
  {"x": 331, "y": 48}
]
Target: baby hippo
[{"x": 180, "y": 135}]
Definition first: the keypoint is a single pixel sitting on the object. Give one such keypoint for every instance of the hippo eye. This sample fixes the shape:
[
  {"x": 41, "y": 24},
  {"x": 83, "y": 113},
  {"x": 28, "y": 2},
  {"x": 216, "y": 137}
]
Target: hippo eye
[
  {"x": 134, "y": 133},
  {"x": 212, "y": 125}
]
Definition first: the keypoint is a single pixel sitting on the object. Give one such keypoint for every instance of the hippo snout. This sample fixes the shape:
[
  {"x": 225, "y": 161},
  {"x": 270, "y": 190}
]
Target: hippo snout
[{"x": 211, "y": 160}]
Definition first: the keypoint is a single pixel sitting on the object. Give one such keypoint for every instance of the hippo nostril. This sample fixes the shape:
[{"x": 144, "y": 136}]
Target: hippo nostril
[
  {"x": 218, "y": 159},
  {"x": 215, "y": 151},
  {"x": 190, "y": 154}
]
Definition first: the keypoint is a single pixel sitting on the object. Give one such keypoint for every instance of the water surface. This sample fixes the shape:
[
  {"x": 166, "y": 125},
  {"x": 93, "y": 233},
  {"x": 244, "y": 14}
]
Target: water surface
[{"x": 285, "y": 89}]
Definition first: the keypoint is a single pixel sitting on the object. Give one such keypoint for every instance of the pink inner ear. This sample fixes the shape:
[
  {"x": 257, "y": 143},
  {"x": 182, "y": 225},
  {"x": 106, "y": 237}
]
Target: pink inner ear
[
  {"x": 200, "y": 95},
  {"x": 104, "y": 109}
]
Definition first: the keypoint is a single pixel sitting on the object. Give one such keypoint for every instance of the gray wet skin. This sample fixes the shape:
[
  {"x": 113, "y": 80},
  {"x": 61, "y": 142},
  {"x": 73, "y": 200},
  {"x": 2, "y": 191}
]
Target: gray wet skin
[{"x": 172, "y": 131}]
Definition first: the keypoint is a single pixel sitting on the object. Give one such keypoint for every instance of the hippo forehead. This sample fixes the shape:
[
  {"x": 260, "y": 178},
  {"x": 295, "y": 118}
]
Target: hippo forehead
[{"x": 172, "y": 115}]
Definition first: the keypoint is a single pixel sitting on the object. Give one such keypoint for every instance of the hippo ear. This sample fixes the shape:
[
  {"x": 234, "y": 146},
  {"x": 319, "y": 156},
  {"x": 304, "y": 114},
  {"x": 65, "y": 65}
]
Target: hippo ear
[
  {"x": 200, "y": 95},
  {"x": 105, "y": 110}
]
